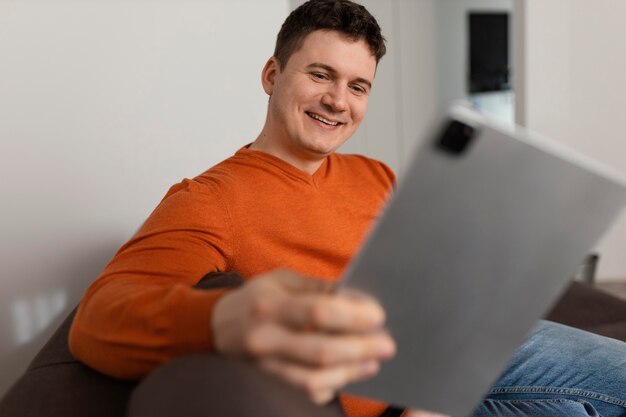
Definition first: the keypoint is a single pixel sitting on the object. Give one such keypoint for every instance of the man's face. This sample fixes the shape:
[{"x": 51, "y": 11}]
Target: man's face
[{"x": 319, "y": 99}]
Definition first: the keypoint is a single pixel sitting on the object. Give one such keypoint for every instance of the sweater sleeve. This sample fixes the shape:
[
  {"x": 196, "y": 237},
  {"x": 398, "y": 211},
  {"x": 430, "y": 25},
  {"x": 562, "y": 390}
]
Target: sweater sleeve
[
  {"x": 355, "y": 406},
  {"x": 143, "y": 309}
]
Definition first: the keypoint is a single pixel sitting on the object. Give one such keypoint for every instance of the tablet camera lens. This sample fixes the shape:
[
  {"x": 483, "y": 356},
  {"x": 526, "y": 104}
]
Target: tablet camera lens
[{"x": 455, "y": 138}]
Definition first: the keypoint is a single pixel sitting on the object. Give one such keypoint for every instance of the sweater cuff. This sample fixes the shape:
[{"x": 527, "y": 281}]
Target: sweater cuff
[
  {"x": 194, "y": 317},
  {"x": 355, "y": 406}
]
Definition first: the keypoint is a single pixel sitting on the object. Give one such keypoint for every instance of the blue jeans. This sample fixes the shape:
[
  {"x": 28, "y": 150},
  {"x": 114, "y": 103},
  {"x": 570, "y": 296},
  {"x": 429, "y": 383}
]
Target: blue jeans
[{"x": 560, "y": 371}]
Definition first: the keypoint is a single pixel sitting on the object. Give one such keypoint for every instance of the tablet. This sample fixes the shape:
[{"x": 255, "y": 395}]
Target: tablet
[{"x": 486, "y": 227}]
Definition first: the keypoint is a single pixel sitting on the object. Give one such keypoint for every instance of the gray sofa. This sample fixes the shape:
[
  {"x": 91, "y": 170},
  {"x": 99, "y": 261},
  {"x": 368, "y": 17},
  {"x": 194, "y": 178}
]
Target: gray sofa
[{"x": 56, "y": 384}]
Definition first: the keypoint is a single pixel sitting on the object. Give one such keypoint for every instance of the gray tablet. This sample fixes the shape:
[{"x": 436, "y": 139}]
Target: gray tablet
[{"x": 486, "y": 227}]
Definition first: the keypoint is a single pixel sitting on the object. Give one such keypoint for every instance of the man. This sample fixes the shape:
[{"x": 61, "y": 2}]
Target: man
[{"x": 285, "y": 201}]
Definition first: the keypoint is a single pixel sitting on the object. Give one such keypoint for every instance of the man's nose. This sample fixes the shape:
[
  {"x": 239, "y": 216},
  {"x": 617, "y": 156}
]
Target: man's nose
[{"x": 335, "y": 98}]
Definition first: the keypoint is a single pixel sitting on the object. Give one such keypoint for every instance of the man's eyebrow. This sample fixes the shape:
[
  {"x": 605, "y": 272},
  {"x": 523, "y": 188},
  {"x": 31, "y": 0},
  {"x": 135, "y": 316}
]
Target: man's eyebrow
[{"x": 334, "y": 71}]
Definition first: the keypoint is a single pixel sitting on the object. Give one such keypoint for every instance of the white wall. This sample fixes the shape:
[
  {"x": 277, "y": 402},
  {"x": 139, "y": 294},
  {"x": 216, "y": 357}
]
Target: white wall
[
  {"x": 104, "y": 105},
  {"x": 574, "y": 85}
]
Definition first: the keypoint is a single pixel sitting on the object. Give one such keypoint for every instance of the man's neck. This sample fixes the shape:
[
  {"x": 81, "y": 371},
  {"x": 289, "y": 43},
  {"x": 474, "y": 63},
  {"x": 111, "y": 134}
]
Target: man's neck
[{"x": 306, "y": 163}]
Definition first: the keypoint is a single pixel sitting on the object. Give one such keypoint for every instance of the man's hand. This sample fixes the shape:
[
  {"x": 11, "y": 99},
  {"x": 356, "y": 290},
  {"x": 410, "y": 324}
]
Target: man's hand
[{"x": 295, "y": 328}]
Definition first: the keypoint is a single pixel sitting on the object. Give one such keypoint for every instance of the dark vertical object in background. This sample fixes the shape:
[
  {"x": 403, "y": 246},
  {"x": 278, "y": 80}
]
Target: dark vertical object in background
[{"x": 488, "y": 52}]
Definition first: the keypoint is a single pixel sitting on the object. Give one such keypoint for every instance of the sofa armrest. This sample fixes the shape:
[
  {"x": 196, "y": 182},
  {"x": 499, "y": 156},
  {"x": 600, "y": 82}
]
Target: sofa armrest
[
  {"x": 591, "y": 309},
  {"x": 57, "y": 384}
]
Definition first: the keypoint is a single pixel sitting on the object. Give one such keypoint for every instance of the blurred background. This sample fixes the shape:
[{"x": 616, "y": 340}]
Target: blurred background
[{"x": 105, "y": 104}]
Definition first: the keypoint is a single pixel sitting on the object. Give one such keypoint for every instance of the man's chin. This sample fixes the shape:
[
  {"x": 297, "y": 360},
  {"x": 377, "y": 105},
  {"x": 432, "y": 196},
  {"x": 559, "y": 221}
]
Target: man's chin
[
  {"x": 324, "y": 149},
  {"x": 318, "y": 153}
]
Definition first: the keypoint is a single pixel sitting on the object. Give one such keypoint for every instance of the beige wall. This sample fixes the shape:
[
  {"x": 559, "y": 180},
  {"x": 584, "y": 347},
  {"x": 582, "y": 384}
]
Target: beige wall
[
  {"x": 402, "y": 103},
  {"x": 574, "y": 84},
  {"x": 104, "y": 105}
]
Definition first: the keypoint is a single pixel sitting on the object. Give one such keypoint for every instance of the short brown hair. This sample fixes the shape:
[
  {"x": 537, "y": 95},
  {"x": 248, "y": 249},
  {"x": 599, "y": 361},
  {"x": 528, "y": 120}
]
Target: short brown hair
[{"x": 344, "y": 16}]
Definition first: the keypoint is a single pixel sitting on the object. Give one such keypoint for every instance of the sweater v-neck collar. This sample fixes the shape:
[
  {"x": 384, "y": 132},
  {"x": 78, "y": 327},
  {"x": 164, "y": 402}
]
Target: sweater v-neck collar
[{"x": 286, "y": 167}]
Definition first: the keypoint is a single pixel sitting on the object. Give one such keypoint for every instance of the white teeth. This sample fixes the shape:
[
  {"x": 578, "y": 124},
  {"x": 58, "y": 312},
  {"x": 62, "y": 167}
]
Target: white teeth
[{"x": 321, "y": 119}]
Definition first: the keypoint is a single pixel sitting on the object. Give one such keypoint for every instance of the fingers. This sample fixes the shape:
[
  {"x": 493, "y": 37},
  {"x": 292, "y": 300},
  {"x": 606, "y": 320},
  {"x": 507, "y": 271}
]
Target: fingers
[
  {"x": 301, "y": 331},
  {"x": 326, "y": 312},
  {"x": 319, "y": 349},
  {"x": 321, "y": 384},
  {"x": 301, "y": 302},
  {"x": 266, "y": 300}
]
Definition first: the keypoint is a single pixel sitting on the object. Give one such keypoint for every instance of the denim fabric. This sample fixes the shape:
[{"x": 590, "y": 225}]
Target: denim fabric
[{"x": 560, "y": 371}]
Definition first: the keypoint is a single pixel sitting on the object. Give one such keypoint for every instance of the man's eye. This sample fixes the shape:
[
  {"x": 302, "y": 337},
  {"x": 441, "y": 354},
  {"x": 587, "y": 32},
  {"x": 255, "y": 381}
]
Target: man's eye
[
  {"x": 319, "y": 75},
  {"x": 359, "y": 89}
]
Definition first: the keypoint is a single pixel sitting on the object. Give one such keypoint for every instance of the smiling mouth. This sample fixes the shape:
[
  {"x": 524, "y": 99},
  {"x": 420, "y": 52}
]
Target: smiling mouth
[{"x": 323, "y": 120}]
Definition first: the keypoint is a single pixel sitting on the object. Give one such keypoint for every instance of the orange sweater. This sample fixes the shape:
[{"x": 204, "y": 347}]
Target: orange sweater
[{"x": 250, "y": 214}]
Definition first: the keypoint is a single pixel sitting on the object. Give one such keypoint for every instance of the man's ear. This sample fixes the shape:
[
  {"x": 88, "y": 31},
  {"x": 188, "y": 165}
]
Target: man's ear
[{"x": 268, "y": 75}]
